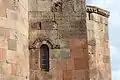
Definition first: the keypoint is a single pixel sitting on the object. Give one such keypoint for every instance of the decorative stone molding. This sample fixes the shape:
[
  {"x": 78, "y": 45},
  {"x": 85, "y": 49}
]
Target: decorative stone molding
[
  {"x": 94, "y": 9},
  {"x": 38, "y": 42}
]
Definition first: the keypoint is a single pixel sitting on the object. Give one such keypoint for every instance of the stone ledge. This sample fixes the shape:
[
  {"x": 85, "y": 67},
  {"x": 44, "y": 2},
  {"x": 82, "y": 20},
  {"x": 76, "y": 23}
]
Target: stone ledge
[{"x": 94, "y": 9}]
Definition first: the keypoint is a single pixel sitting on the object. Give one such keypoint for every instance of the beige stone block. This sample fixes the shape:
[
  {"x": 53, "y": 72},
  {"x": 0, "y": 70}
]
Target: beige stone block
[
  {"x": 22, "y": 28},
  {"x": 3, "y": 22},
  {"x": 55, "y": 54},
  {"x": 105, "y": 20},
  {"x": 87, "y": 16},
  {"x": 106, "y": 58},
  {"x": 12, "y": 45},
  {"x": 3, "y": 68},
  {"x": 2, "y": 33},
  {"x": 12, "y": 15},
  {"x": 91, "y": 35},
  {"x": 2, "y": 10},
  {"x": 90, "y": 25},
  {"x": 5, "y": 34},
  {"x": 65, "y": 54},
  {"x": 99, "y": 35},
  {"x": 43, "y": 5},
  {"x": 33, "y": 5},
  {"x": 99, "y": 18},
  {"x": 97, "y": 26},
  {"x": 96, "y": 17},
  {"x": 3, "y": 44},
  {"x": 10, "y": 55}
]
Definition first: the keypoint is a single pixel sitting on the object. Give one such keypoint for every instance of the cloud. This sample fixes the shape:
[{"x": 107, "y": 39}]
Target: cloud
[{"x": 114, "y": 27}]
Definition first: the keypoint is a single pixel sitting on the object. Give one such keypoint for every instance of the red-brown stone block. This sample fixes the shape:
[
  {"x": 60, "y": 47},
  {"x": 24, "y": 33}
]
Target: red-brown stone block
[
  {"x": 62, "y": 65},
  {"x": 59, "y": 75},
  {"x": 75, "y": 43},
  {"x": 36, "y": 77},
  {"x": 13, "y": 69},
  {"x": 70, "y": 64},
  {"x": 77, "y": 53},
  {"x": 80, "y": 63},
  {"x": 76, "y": 47},
  {"x": 67, "y": 75},
  {"x": 7, "y": 34},
  {"x": 2, "y": 54}
]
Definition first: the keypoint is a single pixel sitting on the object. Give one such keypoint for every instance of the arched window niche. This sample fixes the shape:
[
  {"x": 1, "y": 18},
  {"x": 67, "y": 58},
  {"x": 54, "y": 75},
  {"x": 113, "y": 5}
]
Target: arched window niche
[{"x": 44, "y": 57}]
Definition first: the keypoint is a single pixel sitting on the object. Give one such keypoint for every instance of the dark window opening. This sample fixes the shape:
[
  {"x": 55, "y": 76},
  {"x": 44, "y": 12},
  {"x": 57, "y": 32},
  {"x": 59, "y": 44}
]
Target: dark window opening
[
  {"x": 89, "y": 16},
  {"x": 40, "y": 25},
  {"x": 44, "y": 57}
]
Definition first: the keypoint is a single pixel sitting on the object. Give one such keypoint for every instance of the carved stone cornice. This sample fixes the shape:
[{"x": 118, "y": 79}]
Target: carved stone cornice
[{"x": 94, "y": 9}]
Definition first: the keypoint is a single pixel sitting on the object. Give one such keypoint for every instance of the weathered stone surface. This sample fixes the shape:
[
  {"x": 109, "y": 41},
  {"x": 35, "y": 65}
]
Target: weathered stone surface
[
  {"x": 99, "y": 55},
  {"x": 76, "y": 36},
  {"x": 14, "y": 64},
  {"x": 59, "y": 22}
]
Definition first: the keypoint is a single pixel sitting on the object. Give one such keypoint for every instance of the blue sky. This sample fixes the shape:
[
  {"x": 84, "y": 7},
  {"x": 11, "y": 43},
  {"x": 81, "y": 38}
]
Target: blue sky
[{"x": 114, "y": 32}]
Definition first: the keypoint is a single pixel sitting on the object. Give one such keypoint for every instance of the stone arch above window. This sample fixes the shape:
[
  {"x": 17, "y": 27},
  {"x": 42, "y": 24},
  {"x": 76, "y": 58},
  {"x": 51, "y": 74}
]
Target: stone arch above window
[{"x": 39, "y": 41}]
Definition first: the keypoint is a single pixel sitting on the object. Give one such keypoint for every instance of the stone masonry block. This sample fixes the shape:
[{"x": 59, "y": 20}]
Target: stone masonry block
[
  {"x": 2, "y": 9},
  {"x": 4, "y": 33},
  {"x": 12, "y": 44},
  {"x": 2, "y": 77},
  {"x": 1, "y": 31},
  {"x": 106, "y": 58},
  {"x": 61, "y": 65},
  {"x": 59, "y": 75},
  {"x": 79, "y": 75},
  {"x": 43, "y": 5},
  {"x": 70, "y": 64},
  {"x": 2, "y": 54},
  {"x": 55, "y": 54},
  {"x": 13, "y": 69},
  {"x": 12, "y": 15},
  {"x": 67, "y": 75},
  {"x": 34, "y": 64},
  {"x": 76, "y": 48},
  {"x": 65, "y": 53},
  {"x": 36, "y": 77},
  {"x": 80, "y": 63}
]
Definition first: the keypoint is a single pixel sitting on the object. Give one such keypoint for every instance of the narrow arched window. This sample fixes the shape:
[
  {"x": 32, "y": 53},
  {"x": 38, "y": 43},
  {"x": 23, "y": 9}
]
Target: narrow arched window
[{"x": 44, "y": 50}]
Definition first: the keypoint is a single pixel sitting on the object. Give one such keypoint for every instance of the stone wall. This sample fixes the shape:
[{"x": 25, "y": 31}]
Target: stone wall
[
  {"x": 98, "y": 43},
  {"x": 77, "y": 50},
  {"x": 14, "y": 57},
  {"x": 62, "y": 26}
]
